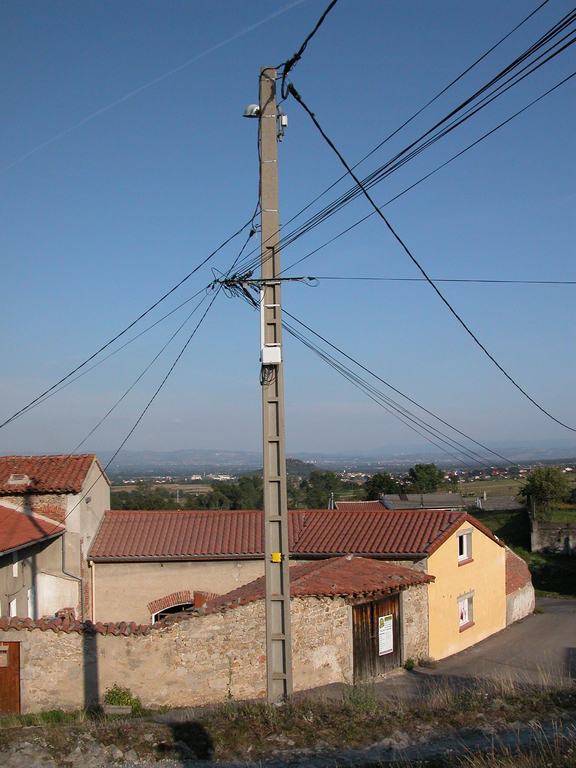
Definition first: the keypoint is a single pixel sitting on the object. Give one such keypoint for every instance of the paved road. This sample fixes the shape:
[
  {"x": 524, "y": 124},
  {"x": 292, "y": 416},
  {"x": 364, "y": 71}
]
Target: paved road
[{"x": 531, "y": 650}]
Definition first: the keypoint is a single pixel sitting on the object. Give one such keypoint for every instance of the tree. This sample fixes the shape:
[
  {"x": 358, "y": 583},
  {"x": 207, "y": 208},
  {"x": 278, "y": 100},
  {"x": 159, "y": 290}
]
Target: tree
[
  {"x": 379, "y": 484},
  {"x": 544, "y": 486},
  {"x": 425, "y": 478},
  {"x": 319, "y": 487}
]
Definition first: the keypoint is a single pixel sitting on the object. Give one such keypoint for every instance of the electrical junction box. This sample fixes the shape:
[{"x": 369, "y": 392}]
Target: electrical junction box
[{"x": 271, "y": 355}]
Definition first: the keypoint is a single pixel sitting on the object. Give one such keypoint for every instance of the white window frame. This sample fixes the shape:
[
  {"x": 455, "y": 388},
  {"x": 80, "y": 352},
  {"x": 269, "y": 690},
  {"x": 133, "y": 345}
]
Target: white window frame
[
  {"x": 15, "y": 563},
  {"x": 465, "y": 544},
  {"x": 12, "y": 610},
  {"x": 466, "y": 610}
]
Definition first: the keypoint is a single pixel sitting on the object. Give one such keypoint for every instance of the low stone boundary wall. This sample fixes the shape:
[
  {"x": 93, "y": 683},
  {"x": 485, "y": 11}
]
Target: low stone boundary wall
[
  {"x": 191, "y": 662},
  {"x": 559, "y": 538},
  {"x": 520, "y": 603}
]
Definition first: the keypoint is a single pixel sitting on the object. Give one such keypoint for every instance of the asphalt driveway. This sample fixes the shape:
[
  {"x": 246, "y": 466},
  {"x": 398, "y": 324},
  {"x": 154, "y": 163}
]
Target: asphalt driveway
[{"x": 533, "y": 649}]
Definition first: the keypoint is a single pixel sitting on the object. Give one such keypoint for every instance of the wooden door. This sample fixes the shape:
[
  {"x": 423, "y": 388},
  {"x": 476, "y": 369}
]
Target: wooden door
[
  {"x": 376, "y": 637},
  {"x": 9, "y": 678}
]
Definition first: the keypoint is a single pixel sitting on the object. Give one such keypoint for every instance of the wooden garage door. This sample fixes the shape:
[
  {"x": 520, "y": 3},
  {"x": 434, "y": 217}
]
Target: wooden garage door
[
  {"x": 376, "y": 637},
  {"x": 9, "y": 678}
]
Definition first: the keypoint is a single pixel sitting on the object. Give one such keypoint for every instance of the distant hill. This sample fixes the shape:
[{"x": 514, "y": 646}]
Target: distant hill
[
  {"x": 295, "y": 468},
  {"x": 194, "y": 461}
]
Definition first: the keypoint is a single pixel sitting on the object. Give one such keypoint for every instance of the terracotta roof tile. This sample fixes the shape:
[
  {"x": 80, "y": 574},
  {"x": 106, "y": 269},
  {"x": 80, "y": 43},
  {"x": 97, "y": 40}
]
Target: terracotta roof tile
[
  {"x": 44, "y": 474},
  {"x": 386, "y": 532},
  {"x": 142, "y": 535},
  {"x": 18, "y": 529},
  {"x": 360, "y": 506},
  {"x": 166, "y": 534},
  {"x": 338, "y": 576},
  {"x": 517, "y": 573},
  {"x": 63, "y": 625}
]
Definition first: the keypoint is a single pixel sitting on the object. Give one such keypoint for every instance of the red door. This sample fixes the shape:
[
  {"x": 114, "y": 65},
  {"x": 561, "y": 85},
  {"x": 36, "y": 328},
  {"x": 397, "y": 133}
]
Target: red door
[{"x": 9, "y": 678}]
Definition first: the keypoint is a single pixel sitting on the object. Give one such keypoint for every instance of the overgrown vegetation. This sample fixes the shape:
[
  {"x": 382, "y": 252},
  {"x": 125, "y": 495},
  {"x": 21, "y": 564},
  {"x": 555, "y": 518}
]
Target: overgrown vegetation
[
  {"x": 255, "y": 731},
  {"x": 552, "y": 575}
]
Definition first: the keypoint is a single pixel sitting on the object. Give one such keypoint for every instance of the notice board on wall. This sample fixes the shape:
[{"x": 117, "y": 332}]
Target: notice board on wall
[{"x": 385, "y": 635}]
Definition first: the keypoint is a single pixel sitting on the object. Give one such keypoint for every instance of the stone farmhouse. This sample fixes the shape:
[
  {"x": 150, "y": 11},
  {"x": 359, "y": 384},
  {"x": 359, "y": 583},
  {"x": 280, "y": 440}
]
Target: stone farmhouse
[
  {"x": 338, "y": 607},
  {"x": 50, "y": 510},
  {"x": 145, "y": 565}
]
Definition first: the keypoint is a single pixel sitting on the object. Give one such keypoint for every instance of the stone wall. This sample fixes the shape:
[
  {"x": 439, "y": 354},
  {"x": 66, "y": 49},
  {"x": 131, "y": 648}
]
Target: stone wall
[
  {"x": 415, "y": 622},
  {"x": 520, "y": 603},
  {"x": 559, "y": 538},
  {"x": 49, "y": 505},
  {"x": 188, "y": 663}
]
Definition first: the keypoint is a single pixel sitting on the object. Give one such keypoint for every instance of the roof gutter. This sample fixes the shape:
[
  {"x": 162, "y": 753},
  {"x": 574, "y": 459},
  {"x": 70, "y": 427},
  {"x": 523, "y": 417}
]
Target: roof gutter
[
  {"x": 31, "y": 543},
  {"x": 258, "y": 556}
]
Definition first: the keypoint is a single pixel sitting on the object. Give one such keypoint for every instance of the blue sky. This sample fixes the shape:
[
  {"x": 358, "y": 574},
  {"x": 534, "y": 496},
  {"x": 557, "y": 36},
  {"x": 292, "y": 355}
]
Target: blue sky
[{"x": 109, "y": 201}]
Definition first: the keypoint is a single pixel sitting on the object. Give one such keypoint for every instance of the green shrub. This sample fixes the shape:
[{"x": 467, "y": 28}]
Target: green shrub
[
  {"x": 409, "y": 664},
  {"x": 116, "y": 695}
]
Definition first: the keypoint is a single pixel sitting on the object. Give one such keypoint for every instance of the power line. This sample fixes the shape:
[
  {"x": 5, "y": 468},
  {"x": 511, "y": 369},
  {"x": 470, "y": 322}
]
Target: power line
[
  {"x": 298, "y": 98},
  {"x": 422, "y": 143},
  {"x": 288, "y": 65},
  {"x": 343, "y": 200},
  {"x": 419, "y": 111},
  {"x": 394, "y": 389},
  {"x": 147, "y": 368},
  {"x": 131, "y": 325},
  {"x": 431, "y": 173},
  {"x": 147, "y": 406},
  {"x": 445, "y": 280},
  {"x": 119, "y": 349},
  {"x": 419, "y": 145},
  {"x": 375, "y": 396},
  {"x": 407, "y": 417}
]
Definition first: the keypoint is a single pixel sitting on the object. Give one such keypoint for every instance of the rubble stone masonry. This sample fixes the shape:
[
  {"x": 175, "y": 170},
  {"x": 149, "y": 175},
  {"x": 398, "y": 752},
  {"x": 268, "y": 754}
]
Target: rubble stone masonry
[
  {"x": 191, "y": 662},
  {"x": 415, "y": 623}
]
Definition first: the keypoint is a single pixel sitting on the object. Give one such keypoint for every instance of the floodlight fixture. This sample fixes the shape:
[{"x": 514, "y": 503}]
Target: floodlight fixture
[{"x": 252, "y": 110}]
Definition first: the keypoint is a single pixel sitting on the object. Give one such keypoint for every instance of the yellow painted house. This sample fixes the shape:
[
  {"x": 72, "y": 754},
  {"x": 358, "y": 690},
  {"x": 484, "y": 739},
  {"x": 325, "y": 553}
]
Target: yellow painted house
[{"x": 467, "y": 601}]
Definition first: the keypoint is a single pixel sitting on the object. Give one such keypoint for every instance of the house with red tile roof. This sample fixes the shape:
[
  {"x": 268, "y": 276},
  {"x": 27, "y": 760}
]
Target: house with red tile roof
[
  {"x": 50, "y": 510},
  {"x": 143, "y": 560}
]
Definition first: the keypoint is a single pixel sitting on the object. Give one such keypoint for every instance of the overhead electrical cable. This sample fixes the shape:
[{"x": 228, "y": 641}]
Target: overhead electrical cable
[
  {"x": 401, "y": 158},
  {"x": 293, "y": 60},
  {"x": 442, "y": 280},
  {"x": 393, "y": 388},
  {"x": 140, "y": 376},
  {"x": 146, "y": 408},
  {"x": 419, "y": 111},
  {"x": 343, "y": 200},
  {"x": 407, "y": 417},
  {"x": 426, "y": 139},
  {"x": 365, "y": 192},
  {"x": 431, "y": 173},
  {"x": 128, "y": 327},
  {"x": 376, "y": 397},
  {"x": 119, "y": 349}
]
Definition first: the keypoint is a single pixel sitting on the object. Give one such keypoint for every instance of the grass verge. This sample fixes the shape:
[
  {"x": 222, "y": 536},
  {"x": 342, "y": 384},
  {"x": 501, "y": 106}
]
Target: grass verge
[{"x": 256, "y": 731}]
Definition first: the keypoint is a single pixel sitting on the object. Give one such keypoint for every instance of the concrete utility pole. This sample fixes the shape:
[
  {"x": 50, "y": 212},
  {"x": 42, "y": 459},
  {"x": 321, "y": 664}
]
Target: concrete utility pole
[{"x": 278, "y": 633}]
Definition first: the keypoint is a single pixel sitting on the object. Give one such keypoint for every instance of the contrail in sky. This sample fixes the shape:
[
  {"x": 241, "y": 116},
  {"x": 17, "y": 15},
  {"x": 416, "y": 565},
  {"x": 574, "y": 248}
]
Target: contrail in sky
[{"x": 113, "y": 104}]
